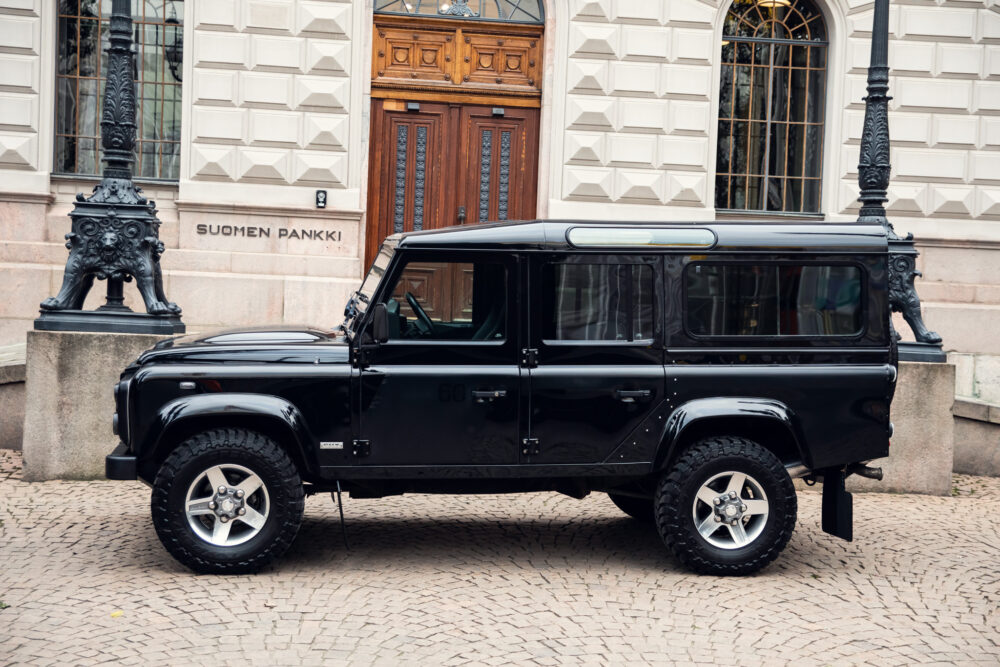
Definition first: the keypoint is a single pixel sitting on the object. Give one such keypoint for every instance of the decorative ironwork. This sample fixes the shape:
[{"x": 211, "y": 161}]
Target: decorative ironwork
[
  {"x": 81, "y": 71},
  {"x": 419, "y": 178},
  {"x": 399, "y": 211},
  {"x": 873, "y": 163},
  {"x": 873, "y": 179},
  {"x": 457, "y": 8},
  {"x": 514, "y": 11},
  {"x": 771, "y": 107},
  {"x": 503, "y": 186},
  {"x": 115, "y": 232},
  {"x": 486, "y": 157}
]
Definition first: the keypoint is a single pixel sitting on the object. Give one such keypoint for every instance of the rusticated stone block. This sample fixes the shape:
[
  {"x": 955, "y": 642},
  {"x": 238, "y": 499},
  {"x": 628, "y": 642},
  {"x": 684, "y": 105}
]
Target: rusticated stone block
[
  {"x": 922, "y": 452},
  {"x": 69, "y": 401}
]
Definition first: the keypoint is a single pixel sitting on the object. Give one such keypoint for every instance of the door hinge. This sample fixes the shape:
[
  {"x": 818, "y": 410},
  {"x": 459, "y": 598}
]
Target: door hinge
[
  {"x": 361, "y": 448},
  {"x": 530, "y": 446},
  {"x": 360, "y": 357},
  {"x": 529, "y": 357}
]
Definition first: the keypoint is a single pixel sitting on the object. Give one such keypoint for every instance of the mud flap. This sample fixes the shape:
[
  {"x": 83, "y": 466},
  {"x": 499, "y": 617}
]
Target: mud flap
[{"x": 838, "y": 506}]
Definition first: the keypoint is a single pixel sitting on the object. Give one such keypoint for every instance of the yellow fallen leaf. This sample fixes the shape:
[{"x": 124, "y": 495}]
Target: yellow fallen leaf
[{"x": 116, "y": 614}]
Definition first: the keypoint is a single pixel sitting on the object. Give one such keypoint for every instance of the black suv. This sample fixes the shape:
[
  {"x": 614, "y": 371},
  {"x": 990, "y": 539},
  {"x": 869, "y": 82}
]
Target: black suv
[{"x": 689, "y": 371}]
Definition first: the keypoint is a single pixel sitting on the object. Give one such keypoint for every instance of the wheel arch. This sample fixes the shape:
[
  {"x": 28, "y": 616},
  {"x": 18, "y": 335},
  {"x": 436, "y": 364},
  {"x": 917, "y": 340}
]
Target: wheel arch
[
  {"x": 271, "y": 416},
  {"x": 768, "y": 422}
]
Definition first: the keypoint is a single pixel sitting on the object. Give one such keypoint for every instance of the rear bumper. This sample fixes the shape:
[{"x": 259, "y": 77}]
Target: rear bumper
[{"x": 120, "y": 464}]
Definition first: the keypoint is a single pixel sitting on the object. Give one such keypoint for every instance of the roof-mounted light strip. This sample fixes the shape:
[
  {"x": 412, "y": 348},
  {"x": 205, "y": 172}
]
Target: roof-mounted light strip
[{"x": 630, "y": 237}]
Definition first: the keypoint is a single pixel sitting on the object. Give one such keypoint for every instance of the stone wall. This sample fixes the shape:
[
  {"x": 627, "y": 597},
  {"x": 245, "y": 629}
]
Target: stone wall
[
  {"x": 27, "y": 70},
  {"x": 634, "y": 124}
]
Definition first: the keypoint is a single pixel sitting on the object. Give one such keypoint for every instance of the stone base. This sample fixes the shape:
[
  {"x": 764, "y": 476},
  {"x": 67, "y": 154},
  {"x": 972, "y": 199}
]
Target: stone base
[
  {"x": 70, "y": 378},
  {"x": 977, "y": 437},
  {"x": 922, "y": 450},
  {"x": 11, "y": 396}
]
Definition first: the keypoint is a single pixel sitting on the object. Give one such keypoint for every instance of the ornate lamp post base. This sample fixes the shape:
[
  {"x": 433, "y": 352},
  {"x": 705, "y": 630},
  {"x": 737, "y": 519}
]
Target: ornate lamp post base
[{"x": 98, "y": 321}]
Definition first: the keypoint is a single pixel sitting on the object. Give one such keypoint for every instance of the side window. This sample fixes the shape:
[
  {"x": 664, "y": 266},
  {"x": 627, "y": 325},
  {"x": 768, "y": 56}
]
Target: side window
[
  {"x": 773, "y": 300},
  {"x": 606, "y": 302},
  {"x": 462, "y": 301}
]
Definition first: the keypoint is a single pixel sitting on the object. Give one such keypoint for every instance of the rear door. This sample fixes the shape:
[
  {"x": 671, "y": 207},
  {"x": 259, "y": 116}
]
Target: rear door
[{"x": 597, "y": 355}]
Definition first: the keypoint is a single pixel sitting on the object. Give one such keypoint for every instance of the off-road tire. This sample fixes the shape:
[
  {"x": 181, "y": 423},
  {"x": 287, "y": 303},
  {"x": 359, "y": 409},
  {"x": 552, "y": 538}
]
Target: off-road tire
[
  {"x": 640, "y": 509},
  {"x": 677, "y": 490},
  {"x": 234, "y": 446}
]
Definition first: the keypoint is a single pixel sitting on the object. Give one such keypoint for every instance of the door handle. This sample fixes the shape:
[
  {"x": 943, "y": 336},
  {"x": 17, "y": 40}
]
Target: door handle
[
  {"x": 629, "y": 395},
  {"x": 487, "y": 395},
  {"x": 461, "y": 215}
]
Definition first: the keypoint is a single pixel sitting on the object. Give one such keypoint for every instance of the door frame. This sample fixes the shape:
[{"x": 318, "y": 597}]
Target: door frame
[{"x": 554, "y": 37}]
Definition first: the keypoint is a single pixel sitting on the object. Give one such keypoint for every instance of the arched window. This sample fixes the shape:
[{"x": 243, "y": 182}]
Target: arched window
[
  {"x": 771, "y": 102},
  {"x": 515, "y": 11}
]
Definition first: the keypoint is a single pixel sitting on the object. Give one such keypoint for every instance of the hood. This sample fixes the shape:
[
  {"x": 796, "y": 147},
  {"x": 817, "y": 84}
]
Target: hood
[
  {"x": 274, "y": 335},
  {"x": 275, "y": 344}
]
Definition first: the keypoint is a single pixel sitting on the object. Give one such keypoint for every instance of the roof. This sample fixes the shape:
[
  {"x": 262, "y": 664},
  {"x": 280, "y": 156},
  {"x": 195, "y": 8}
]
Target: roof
[{"x": 730, "y": 236}]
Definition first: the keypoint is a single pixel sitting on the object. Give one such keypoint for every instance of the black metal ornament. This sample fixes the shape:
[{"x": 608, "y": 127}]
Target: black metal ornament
[
  {"x": 115, "y": 232},
  {"x": 873, "y": 179}
]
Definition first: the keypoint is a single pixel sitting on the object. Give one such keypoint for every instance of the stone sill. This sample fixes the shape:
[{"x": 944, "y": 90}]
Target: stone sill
[
  {"x": 969, "y": 408},
  {"x": 88, "y": 178},
  {"x": 12, "y": 363}
]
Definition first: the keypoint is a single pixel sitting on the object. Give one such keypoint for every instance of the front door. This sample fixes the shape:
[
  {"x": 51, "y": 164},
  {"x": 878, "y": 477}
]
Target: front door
[
  {"x": 454, "y": 116},
  {"x": 445, "y": 388},
  {"x": 435, "y": 165},
  {"x": 599, "y": 370}
]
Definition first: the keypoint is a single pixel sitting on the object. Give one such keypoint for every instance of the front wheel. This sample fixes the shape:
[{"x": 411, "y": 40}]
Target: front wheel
[
  {"x": 727, "y": 507},
  {"x": 227, "y": 501}
]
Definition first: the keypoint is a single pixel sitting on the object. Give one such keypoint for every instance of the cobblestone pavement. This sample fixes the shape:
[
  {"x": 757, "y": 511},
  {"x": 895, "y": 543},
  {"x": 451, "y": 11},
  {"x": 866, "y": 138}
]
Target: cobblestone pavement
[{"x": 495, "y": 579}]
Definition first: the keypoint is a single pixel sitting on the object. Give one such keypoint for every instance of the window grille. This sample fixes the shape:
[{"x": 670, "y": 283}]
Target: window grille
[
  {"x": 80, "y": 65},
  {"x": 771, "y": 107}
]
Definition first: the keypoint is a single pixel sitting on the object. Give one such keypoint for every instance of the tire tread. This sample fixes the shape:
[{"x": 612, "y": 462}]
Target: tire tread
[
  {"x": 672, "y": 512},
  {"x": 239, "y": 441}
]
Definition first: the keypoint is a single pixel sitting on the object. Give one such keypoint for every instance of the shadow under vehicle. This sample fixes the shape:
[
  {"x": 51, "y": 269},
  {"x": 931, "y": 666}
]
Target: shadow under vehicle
[{"x": 689, "y": 371}]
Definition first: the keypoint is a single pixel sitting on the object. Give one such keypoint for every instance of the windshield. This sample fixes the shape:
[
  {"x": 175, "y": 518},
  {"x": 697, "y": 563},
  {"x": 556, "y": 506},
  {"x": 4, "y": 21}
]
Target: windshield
[{"x": 358, "y": 303}]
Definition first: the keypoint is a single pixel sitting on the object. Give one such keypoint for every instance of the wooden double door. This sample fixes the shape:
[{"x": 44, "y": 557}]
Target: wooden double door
[{"x": 438, "y": 164}]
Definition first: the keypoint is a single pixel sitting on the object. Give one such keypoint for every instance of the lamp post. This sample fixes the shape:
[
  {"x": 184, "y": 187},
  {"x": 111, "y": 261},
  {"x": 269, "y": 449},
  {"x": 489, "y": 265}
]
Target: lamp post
[
  {"x": 115, "y": 231},
  {"x": 873, "y": 179}
]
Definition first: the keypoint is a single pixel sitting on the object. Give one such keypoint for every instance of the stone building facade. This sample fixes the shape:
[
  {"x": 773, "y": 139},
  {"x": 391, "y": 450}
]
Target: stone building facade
[{"x": 277, "y": 100}]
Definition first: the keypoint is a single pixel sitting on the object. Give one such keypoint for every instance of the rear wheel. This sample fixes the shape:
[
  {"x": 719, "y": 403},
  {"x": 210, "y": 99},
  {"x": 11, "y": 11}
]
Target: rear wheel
[
  {"x": 726, "y": 507},
  {"x": 640, "y": 509},
  {"x": 227, "y": 501}
]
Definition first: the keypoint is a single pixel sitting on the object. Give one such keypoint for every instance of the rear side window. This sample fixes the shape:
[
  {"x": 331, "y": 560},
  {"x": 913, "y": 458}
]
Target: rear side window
[
  {"x": 773, "y": 300},
  {"x": 598, "y": 302}
]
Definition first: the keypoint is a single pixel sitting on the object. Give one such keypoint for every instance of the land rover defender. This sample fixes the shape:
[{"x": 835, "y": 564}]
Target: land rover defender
[{"x": 689, "y": 371}]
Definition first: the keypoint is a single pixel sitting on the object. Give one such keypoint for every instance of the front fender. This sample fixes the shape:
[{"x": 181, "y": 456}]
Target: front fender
[
  {"x": 185, "y": 415},
  {"x": 745, "y": 410}
]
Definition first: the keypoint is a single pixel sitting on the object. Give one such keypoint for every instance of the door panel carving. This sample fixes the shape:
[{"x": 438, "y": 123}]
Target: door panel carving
[
  {"x": 413, "y": 55},
  {"x": 504, "y": 61},
  {"x": 448, "y": 56},
  {"x": 499, "y": 165},
  {"x": 407, "y": 176}
]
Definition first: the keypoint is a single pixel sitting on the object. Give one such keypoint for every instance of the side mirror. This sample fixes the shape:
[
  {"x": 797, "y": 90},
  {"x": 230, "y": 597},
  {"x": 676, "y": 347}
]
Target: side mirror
[{"x": 380, "y": 323}]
